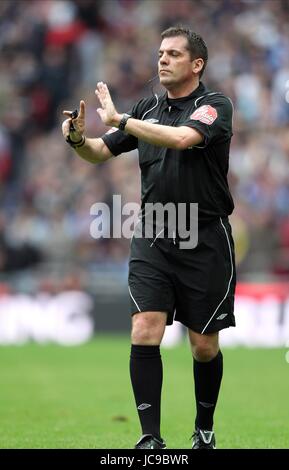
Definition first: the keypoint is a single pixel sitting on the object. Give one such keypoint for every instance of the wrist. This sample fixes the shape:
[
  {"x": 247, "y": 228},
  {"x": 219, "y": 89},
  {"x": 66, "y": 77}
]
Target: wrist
[
  {"x": 75, "y": 136},
  {"x": 122, "y": 123},
  {"x": 116, "y": 120},
  {"x": 75, "y": 143}
]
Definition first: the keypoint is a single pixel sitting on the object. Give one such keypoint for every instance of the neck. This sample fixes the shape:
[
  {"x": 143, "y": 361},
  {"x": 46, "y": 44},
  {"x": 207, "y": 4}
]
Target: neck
[{"x": 180, "y": 92}]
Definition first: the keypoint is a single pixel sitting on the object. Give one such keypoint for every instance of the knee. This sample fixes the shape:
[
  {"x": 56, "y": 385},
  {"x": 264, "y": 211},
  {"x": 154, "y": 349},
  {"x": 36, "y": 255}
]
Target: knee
[
  {"x": 205, "y": 352},
  {"x": 146, "y": 331},
  {"x": 141, "y": 335}
]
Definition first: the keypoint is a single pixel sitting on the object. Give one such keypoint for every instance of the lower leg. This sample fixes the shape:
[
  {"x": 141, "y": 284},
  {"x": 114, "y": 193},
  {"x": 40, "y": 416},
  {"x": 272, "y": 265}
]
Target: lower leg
[
  {"x": 208, "y": 376},
  {"x": 146, "y": 374},
  {"x": 146, "y": 369},
  {"x": 208, "y": 371}
]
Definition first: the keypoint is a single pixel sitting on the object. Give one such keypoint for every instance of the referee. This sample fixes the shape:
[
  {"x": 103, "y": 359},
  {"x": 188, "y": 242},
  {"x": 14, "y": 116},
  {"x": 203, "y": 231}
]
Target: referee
[{"x": 183, "y": 138}]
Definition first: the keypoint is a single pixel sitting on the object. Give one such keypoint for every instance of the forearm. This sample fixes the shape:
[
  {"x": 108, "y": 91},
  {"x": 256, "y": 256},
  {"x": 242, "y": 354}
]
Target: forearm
[
  {"x": 180, "y": 137},
  {"x": 155, "y": 134},
  {"x": 93, "y": 151}
]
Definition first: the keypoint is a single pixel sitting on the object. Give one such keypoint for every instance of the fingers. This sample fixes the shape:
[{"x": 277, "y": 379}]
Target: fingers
[
  {"x": 101, "y": 113},
  {"x": 76, "y": 114},
  {"x": 76, "y": 120},
  {"x": 68, "y": 124},
  {"x": 99, "y": 97},
  {"x": 65, "y": 127},
  {"x": 81, "y": 109},
  {"x": 102, "y": 91},
  {"x": 100, "y": 87}
]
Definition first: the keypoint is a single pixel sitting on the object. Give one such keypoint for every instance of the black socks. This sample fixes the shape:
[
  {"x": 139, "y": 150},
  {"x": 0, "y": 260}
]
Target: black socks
[
  {"x": 146, "y": 372},
  {"x": 208, "y": 377}
]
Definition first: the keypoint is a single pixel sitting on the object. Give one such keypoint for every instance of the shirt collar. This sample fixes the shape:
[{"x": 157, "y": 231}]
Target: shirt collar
[{"x": 181, "y": 103}]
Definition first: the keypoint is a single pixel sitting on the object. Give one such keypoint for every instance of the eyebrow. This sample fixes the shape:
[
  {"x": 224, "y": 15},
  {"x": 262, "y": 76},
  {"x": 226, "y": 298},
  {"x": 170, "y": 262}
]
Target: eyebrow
[{"x": 170, "y": 50}]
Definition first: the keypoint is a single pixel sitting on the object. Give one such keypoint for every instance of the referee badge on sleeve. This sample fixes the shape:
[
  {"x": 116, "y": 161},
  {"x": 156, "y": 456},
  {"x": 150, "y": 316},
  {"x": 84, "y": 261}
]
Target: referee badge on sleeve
[{"x": 206, "y": 114}]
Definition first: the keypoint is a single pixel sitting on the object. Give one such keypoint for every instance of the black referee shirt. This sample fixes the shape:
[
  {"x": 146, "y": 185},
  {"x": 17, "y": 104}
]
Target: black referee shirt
[{"x": 194, "y": 175}]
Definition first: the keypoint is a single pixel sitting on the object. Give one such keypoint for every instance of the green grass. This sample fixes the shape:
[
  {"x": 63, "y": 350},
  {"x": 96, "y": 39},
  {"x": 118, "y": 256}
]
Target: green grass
[{"x": 80, "y": 397}]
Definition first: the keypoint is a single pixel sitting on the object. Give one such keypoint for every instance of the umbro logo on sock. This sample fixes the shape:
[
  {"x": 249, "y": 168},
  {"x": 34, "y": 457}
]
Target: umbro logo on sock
[
  {"x": 206, "y": 405},
  {"x": 143, "y": 406}
]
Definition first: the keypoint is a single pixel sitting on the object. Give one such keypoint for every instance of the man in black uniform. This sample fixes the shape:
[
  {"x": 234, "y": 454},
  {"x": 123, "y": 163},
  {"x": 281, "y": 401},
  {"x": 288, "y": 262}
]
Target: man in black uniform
[{"x": 183, "y": 138}]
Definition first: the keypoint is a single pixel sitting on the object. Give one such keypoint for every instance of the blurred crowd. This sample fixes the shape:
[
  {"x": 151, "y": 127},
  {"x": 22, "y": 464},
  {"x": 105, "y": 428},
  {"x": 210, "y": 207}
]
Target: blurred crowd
[{"x": 53, "y": 52}]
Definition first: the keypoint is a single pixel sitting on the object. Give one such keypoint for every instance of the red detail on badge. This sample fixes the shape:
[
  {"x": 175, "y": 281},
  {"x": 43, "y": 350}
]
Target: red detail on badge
[{"x": 206, "y": 114}]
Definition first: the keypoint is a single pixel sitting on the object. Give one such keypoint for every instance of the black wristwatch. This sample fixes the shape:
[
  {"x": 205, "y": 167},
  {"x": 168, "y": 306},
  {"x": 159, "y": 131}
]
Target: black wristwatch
[{"x": 123, "y": 121}]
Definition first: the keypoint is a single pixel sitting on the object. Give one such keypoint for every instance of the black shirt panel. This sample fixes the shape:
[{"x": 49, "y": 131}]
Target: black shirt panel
[
  {"x": 194, "y": 175},
  {"x": 211, "y": 158}
]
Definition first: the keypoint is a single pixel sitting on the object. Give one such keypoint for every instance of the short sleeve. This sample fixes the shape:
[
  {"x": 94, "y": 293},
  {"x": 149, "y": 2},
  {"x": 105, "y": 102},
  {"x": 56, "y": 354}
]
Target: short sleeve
[
  {"x": 119, "y": 142},
  {"x": 212, "y": 118}
]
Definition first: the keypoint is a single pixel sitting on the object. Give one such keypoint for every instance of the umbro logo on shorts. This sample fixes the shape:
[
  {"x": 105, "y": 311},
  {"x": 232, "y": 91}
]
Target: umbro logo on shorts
[
  {"x": 222, "y": 316},
  {"x": 143, "y": 406}
]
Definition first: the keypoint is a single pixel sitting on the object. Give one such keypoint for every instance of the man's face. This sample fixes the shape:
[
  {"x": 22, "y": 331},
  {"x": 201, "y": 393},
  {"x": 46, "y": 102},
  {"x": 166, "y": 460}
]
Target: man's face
[{"x": 175, "y": 65}]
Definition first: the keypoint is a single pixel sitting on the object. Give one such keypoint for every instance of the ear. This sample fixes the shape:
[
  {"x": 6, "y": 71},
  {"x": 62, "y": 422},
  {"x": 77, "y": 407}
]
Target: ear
[{"x": 197, "y": 65}]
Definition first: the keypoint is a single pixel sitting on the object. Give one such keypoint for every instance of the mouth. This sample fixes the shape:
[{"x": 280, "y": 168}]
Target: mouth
[{"x": 164, "y": 71}]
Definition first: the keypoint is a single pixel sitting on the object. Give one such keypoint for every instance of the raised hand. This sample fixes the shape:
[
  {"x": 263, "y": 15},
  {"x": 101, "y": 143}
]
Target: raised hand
[
  {"x": 74, "y": 127},
  {"x": 107, "y": 112}
]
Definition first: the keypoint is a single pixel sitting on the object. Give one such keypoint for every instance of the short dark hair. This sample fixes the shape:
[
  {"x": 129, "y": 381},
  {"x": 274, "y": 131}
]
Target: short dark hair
[{"x": 196, "y": 45}]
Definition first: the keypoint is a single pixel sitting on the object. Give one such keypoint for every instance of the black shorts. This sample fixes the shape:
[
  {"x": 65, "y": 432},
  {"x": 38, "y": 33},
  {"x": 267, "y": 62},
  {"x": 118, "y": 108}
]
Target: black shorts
[{"x": 194, "y": 286}]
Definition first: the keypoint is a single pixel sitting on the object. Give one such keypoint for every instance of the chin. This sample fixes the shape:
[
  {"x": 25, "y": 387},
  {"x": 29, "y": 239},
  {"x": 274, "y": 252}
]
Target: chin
[{"x": 166, "y": 82}]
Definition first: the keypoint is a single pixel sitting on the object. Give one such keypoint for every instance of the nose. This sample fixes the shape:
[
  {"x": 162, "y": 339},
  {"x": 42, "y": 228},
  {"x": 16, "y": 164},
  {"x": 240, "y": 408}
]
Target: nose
[{"x": 164, "y": 59}]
